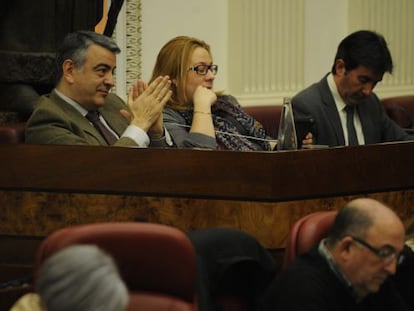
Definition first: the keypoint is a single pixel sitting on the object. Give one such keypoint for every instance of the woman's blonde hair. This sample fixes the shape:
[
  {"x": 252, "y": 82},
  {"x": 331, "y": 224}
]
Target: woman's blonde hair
[{"x": 174, "y": 60}]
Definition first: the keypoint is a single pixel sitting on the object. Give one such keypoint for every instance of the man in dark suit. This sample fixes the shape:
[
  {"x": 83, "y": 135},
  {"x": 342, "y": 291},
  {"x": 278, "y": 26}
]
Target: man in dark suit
[
  {"x": 343, "y": 106},
  {"x": 85, "y": 66},
  {"x": 353, "y": 268}
]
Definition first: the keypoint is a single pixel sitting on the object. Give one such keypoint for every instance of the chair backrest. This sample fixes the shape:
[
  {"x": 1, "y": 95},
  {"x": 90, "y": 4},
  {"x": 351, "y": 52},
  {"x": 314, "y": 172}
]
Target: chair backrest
[
  {"x": 306, "y": 232},
  {"x": 157, "y": 262},
  {"x": 401, "y": 110},
  {"x": 12, "y": 133},
  {"x": 268, "y": 116},
  {"x": 151, "y": 301}
]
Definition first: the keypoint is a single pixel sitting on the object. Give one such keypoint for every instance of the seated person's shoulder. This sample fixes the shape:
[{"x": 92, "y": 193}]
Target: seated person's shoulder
[
  {"x": 114, "y": 99},
  {"x": 113, "y": 104},
  {"x": 229, "y": 99},
  {"x": 305, "y": 285},
  {"x": 171, "y": 115},
  {"x": 47, "y": 104},
  {"x": 308, "y": 95},
  {"x": 308, "y": 267}
]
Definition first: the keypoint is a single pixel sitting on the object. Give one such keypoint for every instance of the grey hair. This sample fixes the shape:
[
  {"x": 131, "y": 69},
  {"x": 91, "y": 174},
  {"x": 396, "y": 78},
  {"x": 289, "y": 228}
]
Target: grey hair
[
  {"x": 74, "y": 47},
  {"x": 81, "y": 278}
]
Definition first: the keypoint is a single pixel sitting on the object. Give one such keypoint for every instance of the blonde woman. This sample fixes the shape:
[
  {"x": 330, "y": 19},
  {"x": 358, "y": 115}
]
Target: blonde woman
[{"x": 196, "y": 116}]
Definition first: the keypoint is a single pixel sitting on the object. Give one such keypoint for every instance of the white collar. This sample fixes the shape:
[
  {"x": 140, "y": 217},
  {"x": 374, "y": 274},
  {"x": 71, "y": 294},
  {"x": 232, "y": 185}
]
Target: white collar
[{"x": 71, "y": 102}]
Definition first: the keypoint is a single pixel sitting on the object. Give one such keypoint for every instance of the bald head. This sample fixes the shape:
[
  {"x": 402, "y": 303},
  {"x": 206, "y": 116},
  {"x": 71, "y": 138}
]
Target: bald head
[
  {"x": 371, "y": 207},
  {"x": 381, "y": 215},
  {"x": 362, "y": 215}
]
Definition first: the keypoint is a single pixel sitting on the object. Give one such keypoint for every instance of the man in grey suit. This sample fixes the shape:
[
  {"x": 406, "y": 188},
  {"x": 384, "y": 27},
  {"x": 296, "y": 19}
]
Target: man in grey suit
[
  {"x": 343, "y": 106},
  {"x": 85, "y": 66}
]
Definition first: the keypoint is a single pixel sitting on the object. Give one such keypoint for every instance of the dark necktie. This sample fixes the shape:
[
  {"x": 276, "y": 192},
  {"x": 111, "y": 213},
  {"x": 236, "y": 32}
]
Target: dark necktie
[
  {"x": 109, "y": 137},
  {"x": 352, "y": 136}
]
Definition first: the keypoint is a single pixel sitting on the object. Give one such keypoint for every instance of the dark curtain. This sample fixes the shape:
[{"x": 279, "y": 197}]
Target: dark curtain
[{"x": 30, "y": 31}]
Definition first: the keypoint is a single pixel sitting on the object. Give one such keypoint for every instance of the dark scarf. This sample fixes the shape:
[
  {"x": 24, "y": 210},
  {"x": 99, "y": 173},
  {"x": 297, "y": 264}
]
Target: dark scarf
[{"x": 229, "y": 118}]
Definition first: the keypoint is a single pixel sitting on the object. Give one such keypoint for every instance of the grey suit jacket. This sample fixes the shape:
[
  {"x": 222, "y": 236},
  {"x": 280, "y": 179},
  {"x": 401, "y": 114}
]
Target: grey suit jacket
[
  {"x": 54, "y": 121},
  {"x": 317, "y": 102}
]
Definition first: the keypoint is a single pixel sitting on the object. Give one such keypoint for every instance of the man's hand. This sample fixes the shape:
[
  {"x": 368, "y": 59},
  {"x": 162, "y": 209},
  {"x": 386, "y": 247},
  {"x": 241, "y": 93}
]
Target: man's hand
[
  {"x": 146, "y": 103},
  {"x": 308, "y": 140}
]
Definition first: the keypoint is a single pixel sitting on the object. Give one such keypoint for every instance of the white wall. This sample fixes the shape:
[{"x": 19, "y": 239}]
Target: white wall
[
  {"x": 208, "y": 20},
  {"x": 326, "y": 24},
  {"x": 205, "y": 19}
]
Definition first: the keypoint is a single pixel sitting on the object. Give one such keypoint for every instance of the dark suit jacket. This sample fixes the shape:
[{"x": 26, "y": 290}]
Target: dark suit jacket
[
  {"x": 308, "y": 284},
  {"x": 54, "y": 121},
  {"x": 317, "y": 102}
]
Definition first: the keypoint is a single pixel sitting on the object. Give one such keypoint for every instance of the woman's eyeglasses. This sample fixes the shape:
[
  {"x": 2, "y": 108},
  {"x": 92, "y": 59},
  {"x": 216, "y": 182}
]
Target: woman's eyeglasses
[{"x": 203, "y": 69}]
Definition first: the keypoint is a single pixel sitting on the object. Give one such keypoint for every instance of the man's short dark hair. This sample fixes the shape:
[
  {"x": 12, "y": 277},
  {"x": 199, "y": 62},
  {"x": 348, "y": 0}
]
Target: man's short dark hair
[
  {"x": 365, "y": 48},
  {"x": 74, "y": 47}
]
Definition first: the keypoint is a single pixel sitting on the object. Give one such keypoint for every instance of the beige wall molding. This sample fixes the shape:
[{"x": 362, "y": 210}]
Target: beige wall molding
[
  {"x": 394, "y": 20},
  {"x": 128, "y": 36},
  {"x": 266, "y": 49},
  {"x": 266, "y": 46},
  {"x": 278, "y": 47}
]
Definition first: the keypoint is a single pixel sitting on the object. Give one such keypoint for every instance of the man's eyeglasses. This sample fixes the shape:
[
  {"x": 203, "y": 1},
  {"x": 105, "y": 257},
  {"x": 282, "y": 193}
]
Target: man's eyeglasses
[
  {"x": 203, "y": 69},
  {"x": 385, "y": 253}
]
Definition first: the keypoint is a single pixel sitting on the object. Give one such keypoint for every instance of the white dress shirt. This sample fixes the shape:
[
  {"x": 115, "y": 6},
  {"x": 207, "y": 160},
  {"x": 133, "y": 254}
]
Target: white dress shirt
[{"x": 340, "y": 106}]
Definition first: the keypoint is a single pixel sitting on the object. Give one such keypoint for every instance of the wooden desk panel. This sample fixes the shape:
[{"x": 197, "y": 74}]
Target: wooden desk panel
[
  {"x": 43, "y": 188},
  {"x": 36, "y": 214},
  {"x": 240, "y": 176}
]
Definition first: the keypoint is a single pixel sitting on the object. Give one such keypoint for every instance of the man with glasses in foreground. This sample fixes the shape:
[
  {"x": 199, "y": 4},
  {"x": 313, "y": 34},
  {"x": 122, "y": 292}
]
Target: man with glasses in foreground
[{"x": 348, "y": 270}]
